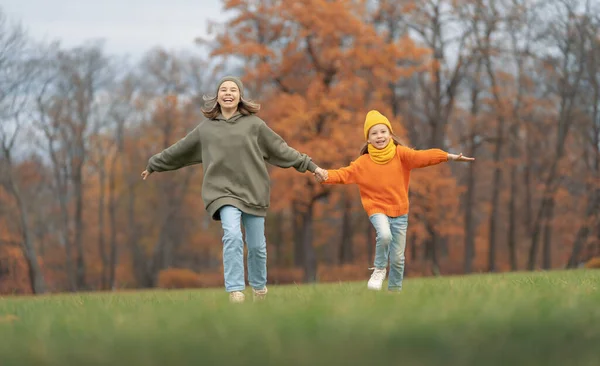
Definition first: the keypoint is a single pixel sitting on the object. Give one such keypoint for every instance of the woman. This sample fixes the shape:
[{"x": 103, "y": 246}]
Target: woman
[{"x": 233, "y": 144}]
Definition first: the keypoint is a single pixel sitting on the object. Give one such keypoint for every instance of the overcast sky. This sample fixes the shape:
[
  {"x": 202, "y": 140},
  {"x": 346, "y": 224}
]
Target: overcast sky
[{"x": 129, "y": 27}]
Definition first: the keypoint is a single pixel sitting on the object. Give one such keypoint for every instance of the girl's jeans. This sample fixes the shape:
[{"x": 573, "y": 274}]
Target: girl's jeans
[
  {"x": 233, "y": 249},
  {"x": 390, "y": 244}
]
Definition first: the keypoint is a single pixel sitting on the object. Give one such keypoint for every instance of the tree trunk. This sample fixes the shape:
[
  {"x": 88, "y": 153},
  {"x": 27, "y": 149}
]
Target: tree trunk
[
  {"x": 533, "y": 248},
  {"x": 497, "y": 155},
  {"x": 547, "y": 248},
  {"x": 568, "y": 94},
  {"x": 79, "y": 260},
  {"x": 36, "y": 277},
  {"x": 495, "y": 198},
  {"x": 298, "y": 225},
  {"x": 431, "y": 250},
  {"x": 543, "y": 212},
  {"x": 580, "y": 240},
  {"x": 279, "y": 239},
  {"x": 162, "y": 256},
  {"x": 469, "y": 224},
  {"x": 101, "y": 242},
  {"x": 64, "y": 232},
  {"x": 469, "y": 254},
  {"x": 514, "y": 154},
  {"x": 138, "y": 260},
  {"x": 40, "y": 237},
  {"x": 310, "y": 259},
  {"x": 512, "y": 220},
  {"x": 584, "y": 231},
  {"x": 112, "y": 217},
  {"x": 529, "y": 153},
  {"x": 159, "y": 255},
  {"x": 413, "y": 247},
  {"x": 346, "y": 254}
]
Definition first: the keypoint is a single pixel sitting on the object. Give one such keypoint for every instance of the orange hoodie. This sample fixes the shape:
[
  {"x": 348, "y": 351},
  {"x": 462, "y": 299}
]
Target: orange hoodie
[{"x": 384, "y": 187}]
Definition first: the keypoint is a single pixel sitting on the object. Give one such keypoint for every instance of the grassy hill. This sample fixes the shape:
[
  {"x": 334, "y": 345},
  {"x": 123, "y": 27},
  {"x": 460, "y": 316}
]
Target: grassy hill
[{"x": 543, "y": 318}]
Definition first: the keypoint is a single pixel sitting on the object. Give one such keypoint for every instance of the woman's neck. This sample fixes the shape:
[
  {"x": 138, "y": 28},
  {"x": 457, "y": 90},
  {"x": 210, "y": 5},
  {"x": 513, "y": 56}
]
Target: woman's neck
[{"x": 228, "y": 112}]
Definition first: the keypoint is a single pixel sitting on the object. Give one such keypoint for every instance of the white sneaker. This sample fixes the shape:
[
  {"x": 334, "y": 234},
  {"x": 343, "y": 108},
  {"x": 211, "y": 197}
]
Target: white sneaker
[
  {"x": 236, "y": 297},
  {"x": 258, "y": 295},
  {"x": 376, "y": 280}
]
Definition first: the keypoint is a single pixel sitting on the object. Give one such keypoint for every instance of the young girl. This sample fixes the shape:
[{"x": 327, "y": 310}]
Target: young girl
[
  {"x": 233, "y": 144},
  {"x": 382, "y": 174}
]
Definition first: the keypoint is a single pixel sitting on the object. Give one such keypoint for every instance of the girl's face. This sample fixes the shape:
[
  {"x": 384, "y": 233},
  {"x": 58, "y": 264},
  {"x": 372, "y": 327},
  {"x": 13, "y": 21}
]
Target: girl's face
[
  {"x": 379, "y": 136},
  {"x": 229, "y": 95}
]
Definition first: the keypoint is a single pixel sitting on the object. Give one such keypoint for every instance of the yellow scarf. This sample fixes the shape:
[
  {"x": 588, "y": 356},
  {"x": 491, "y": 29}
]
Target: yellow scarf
[{"x": 382, "y": 156}]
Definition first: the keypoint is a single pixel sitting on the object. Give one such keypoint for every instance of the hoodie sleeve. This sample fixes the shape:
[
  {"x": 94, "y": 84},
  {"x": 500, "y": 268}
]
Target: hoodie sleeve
[
  {"x": 184, "y": 152},
  {"x": 277, "y": 152},
  {"x": 421, "y": 158}
]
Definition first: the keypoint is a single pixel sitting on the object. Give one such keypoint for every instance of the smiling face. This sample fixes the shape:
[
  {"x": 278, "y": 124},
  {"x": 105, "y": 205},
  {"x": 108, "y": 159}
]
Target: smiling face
[
  {"x": 229, "y": 95},
  {"x": 379, "y": 136}
]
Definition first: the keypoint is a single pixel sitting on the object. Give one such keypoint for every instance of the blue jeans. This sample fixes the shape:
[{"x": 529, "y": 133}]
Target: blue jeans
[
  {"x": 390, "y": 244},
  {"x": 233, "y": 249}
]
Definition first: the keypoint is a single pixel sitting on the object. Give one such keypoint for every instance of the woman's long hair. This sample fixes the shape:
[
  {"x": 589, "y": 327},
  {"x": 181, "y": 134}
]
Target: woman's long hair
[
  {"x": 212, "y": 108},
  {"x": 365, "y": 149}
]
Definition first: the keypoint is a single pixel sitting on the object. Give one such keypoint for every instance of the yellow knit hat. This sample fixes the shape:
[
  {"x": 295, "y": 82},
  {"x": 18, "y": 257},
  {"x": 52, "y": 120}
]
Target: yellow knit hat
[{"x": 375, "y": 118}]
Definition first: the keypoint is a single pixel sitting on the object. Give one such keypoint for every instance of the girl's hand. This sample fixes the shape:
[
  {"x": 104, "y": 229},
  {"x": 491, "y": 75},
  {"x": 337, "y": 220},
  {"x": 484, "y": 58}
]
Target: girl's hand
[
  {"x": 321, "y": 175},
  {"x": 145, "y": 174},
  {"x": 459, "y": 157}
]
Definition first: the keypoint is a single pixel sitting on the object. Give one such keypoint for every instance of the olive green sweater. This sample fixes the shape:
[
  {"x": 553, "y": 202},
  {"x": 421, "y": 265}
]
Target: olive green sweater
[{"x": 233, "y": 153}]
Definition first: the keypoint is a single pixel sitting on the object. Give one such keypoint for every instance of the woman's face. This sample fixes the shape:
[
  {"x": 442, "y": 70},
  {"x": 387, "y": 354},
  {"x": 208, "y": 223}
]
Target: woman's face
[
  {"x": 229, "y": 95},
  {"x": 379, "y": 136}
]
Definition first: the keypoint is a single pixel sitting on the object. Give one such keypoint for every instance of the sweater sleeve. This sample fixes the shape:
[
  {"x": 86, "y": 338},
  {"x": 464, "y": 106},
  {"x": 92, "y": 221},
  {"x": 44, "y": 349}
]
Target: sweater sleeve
[
  {"x": 184, "y": 152},
  {"x": 421, "y": 158},
  {"x": 345, "y": 175},
  {"x": 277, "y": 152}
]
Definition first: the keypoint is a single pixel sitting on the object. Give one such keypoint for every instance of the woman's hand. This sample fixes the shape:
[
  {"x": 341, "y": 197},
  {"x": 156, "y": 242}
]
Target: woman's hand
[
  {"x": 459, "y": 157},
  {"x": 145, "y": 174}
]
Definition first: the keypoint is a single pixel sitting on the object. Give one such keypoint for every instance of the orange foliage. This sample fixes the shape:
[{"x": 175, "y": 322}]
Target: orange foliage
[
  {"x": 14, "y": 275},
  {"x": 318, "y": 76},
  {"x": 593, "y": 263}
]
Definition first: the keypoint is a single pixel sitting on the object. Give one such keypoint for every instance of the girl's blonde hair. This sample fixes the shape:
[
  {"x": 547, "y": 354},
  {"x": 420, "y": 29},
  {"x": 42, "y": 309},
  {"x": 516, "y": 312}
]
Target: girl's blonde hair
[
  {"x": 212, "y": 108},
  {"x": 365, "y": 148}
]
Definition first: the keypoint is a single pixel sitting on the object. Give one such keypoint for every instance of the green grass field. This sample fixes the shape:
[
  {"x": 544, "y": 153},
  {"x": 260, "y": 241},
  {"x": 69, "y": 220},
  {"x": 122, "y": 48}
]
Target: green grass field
[{"x": 539, "y": 318}]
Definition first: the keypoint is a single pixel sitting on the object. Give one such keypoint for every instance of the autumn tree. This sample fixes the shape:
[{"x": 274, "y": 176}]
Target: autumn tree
[
  {"x": 564, "y": 60},
  {"x": 429, "y": 101},
  {"x": 319, "y": 66},
  {"x": 589, "y": 133},
  {"x": 170, "y": 90},
  {"x": 506, "y": 88},
  {"x": 18, "y": 68},
  {"x": 68, "y": 117}
]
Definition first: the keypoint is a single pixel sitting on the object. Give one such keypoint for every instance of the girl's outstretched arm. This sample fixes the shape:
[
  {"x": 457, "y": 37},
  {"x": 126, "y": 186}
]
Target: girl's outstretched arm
[
  {"x": 345, "y": 175},
  {"x": 421, "y": 158}
]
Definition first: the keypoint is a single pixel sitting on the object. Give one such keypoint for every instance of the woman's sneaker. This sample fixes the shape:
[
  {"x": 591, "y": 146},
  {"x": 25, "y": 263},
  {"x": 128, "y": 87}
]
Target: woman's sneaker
[
  {"x": 376, "y": 280},
  {"x": 259, "y": 295},
  {"x": 236, "y": 297}
]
